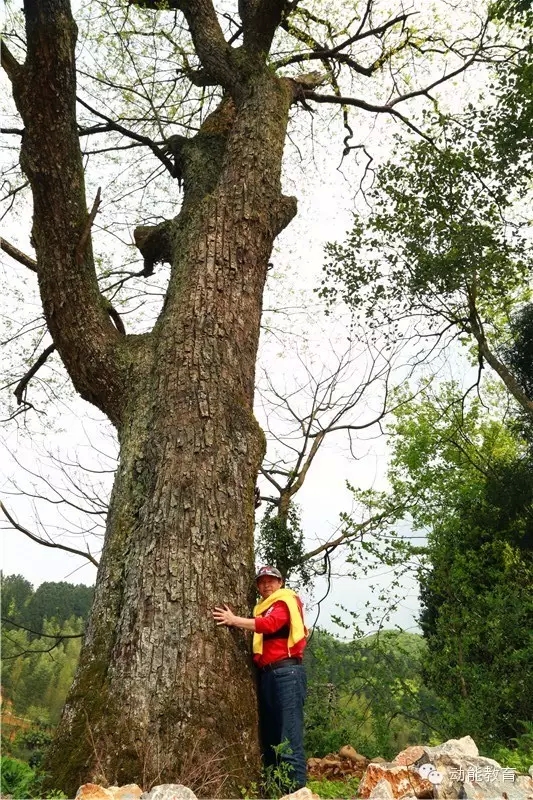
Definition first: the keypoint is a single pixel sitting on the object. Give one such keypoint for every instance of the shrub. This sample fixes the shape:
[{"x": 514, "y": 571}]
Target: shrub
[
  {"x": 334, "y": 790},
  {"x": 16, "y": 778}
]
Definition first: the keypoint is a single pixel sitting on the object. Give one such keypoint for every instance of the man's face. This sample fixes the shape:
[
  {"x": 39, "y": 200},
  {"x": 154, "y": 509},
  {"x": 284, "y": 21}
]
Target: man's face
[{"x": 267, "y": 584}]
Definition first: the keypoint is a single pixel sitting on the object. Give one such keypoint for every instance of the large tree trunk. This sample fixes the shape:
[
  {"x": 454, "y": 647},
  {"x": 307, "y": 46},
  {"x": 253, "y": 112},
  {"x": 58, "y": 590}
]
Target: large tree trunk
[{"x": 162, "y": 694}]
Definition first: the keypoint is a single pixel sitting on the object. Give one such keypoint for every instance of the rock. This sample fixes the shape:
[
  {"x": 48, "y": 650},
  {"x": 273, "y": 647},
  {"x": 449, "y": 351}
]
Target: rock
[
  {"x": 92, "y": 791},
  {"x": 169, "y": 791},
  {"x": 411, "y": 755},
  {"x": 501, "y": 783},
  {"x": 462, "y": 747},
  {"x": 129, "y": 792},
  {"x": 476, "y": 777},
  {"x": 404, "y": 781},
  {"x": 351, "y": 753},
  {"x": 530, "y": 770},
  {"x": 453, "y": 770},
  {"x": 382, "y": 791},
  {"x": 330, "y": 761},
  {"x": 335, "y": 767},
  {"x": 449, "y": 788},
  {"x": 301, "y": 794}
]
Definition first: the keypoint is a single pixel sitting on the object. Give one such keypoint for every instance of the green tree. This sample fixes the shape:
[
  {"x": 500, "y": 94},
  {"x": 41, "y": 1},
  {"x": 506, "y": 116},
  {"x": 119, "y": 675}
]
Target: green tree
[
  {"x": 447, "y": 243},
  {"x": 37, "y": 672},
  {"x": 59, "y": 601},
  {"x": 15, "y": 593},
  {"x": 471, "y": 478},
  {"x": 367, "y": 692},
  {"x": 209, "y": 97},
  {"x": 14, "y": 643}
]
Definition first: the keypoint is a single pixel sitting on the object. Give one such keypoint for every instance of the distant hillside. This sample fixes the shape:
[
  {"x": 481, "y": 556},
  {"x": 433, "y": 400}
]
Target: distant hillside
[{"x": 51, "y": 600}]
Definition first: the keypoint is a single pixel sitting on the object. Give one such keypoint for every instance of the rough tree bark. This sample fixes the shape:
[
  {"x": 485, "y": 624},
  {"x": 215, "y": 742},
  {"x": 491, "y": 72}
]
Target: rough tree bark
[{"x": 160, "y": 691}]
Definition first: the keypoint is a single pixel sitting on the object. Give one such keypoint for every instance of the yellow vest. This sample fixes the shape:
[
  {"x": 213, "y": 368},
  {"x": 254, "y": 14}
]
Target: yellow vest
[{"x": 298, "y": 629}]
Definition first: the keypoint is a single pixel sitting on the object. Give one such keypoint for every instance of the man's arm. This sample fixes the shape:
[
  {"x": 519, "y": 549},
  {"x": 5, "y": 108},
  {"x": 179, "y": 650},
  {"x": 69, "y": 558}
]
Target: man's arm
[
  {"x": 225, "y": 616},
  {"x": 272, "y": 622}
]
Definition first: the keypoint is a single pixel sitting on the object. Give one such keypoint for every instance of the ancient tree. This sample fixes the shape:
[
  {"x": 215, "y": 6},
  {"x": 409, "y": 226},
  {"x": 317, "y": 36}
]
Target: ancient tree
[{"x": 159, "y": 691}]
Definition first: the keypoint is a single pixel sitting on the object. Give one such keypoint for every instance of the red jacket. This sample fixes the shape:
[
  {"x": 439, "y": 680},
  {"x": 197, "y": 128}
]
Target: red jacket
[{"x": 274, "y": 624}]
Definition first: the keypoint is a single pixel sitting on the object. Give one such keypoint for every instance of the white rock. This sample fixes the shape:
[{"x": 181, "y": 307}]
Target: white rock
[
  {"x": 465, "y": 746},
  {"x": 301, "y": 794},
  {"x": 169, "y": 791}
]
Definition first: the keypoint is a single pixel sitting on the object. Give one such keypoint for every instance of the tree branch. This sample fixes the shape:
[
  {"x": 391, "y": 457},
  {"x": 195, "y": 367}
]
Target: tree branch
[
  {"x": 22, "y": 384},
  {"x": 349, "y": 534},
  {"x": 116, "y": 126},
  {"x": 59, "y": 636},
  {"x": 319, "y": 51},
  {"x": 215, "y": 54},
  {"x": 18, "y": 255},
  {"x": 498, "y": 366},
  {"x": 78, "y": 323},
  {"x": 38, "y": 539},
  {"x": 84, "y": 238},
  {"x": 354, "y": 101},
  {"x": 260, "y": 20},
  {"x": 9, "y": 63},
  {"x": 117, "y": 319},
  {"x": 378, "y": 32},
  {"x": 425, "y": 91}
]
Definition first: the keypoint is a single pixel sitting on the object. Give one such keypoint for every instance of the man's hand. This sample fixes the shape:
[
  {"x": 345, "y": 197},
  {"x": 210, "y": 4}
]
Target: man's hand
[{"x": 224, "y": 616}]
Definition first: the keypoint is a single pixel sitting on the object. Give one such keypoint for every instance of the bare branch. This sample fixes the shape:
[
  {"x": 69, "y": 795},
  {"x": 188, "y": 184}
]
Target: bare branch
[
  {"x": 84, "y": 238},
  {"x": 18, "y": 255},
  {"x": 446, "y": 77},
  {"x": 115, "y": 126},
  {"x": 319, "y": 51},
  {"x": 59, "y": 636},
  {"x": 328, "y": 547},
  {"x": 23, "y": 383},
  {"x": 10, "y": 63},
  {"x": 358, "y": 103},
  {"x": 38, "y": 539}
]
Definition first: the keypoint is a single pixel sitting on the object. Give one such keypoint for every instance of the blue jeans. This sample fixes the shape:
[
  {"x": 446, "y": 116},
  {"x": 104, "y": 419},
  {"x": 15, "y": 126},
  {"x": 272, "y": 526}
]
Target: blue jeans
[{"x": 281, "y": 694}]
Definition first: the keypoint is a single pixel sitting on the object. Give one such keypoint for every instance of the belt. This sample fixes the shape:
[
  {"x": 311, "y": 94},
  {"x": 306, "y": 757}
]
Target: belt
[{"x": 283, "y": 662}]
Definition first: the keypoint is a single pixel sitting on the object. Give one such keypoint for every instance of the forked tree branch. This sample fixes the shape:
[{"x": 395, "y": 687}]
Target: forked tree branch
[
  {"x": 213, "y": 51},
  {"x": 116, "y": 126},
  {"x": 358, "y": 103},
  {"x": 59, "y": 636}
]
